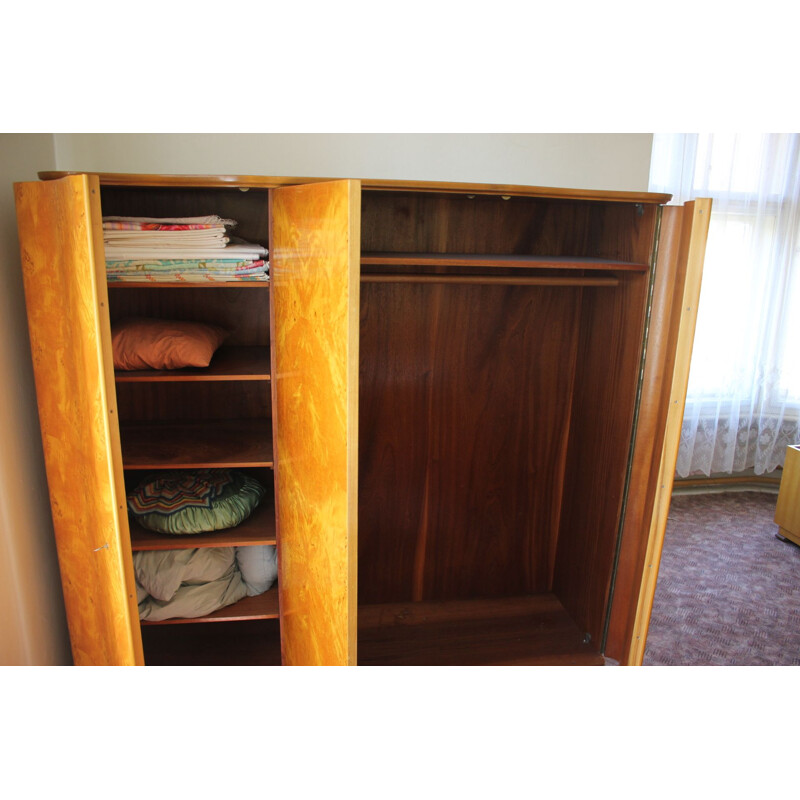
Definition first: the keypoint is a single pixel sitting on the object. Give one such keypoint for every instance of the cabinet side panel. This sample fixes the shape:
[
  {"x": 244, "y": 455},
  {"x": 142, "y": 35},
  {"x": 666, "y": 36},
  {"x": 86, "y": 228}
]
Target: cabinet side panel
[
  {"x": 694, "y": 233},
  {"x": 659, "y": 363},
  {"x": 600, "y": 435},
  {"x": 67, "y": 316},
  {"x": 787, "y": 509},
  {"x": 315, "y": 296}
]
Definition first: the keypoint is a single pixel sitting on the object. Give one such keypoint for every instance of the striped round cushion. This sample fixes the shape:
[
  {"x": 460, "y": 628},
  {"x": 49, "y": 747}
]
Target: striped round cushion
[{"x": 194, "y": 501}]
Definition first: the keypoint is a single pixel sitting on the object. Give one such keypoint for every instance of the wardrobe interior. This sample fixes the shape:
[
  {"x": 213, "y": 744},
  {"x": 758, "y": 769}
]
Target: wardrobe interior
[
  {"x": 215, "y": 417},
  {"x": 500, "y": 354}
]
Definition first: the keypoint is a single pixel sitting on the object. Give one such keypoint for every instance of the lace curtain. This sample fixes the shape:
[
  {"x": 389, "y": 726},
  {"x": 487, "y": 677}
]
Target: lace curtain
[{"x": 743, "y": 400}]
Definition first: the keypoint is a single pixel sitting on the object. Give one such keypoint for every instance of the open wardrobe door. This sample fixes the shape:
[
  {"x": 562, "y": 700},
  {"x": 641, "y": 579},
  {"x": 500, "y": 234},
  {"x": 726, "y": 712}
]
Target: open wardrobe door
[
  {"x": 65, "y": 290},
  {"x": 674, "y": 300},
  {"x": 314, "y": 272}
]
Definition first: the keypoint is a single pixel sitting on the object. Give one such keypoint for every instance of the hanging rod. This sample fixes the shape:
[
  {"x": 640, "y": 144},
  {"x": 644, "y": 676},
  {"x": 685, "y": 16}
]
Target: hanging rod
[{"x": 508, "y": 280}]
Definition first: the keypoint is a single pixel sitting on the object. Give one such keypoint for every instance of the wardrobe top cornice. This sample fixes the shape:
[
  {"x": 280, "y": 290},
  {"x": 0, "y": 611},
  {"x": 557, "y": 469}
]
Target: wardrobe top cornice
[{"x": 370, "y": 184}]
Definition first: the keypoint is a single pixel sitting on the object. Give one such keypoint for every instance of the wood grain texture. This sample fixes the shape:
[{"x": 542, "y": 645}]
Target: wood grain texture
[
  {"x": 670, "y": 275},
  {"x": 262, "y": 606},
  {"x": 606, "y": 378},
  {"x": 236, "y": 643},
  {"x": 182, "y": 401},
  {"x": 522, "y": 631},
  {"x": 787, "y": 510},
  {"x": 465, "y": 398},
  {"x": 130, "y": 179},
  {"x": 506, "y": 261},
  {"x": 462, "y": 225},
  {"x": 241, "y": 310},
  {"x": 789, "y": 534},
  {"x": 258, "y": 181},
  {"x": 497, "y": 280},
  {"x": 315, "y": 294},
  {"x": 257, "y": 529},
  {"x": 218, "y": 443},
  {"x": 64, "y": 276},
  {"x": 694, "y": 233},
  {"x": 228, "y": 364}
]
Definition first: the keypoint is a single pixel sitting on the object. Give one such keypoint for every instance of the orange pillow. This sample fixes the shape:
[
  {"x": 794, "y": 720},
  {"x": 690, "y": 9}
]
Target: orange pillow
[{"x": 164, "y": 344}]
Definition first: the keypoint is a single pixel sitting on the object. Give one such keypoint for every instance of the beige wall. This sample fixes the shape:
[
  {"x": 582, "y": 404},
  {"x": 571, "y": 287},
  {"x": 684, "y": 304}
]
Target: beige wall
[
  {"x": 32, "y": 622},
  {"x": 578, "y": 160},
  {"x": 32, "y": 625}
]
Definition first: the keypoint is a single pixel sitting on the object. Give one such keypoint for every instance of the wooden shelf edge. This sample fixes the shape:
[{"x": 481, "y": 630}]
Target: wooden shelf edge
[
  {"x": 233, "y": 363},
  {"x": 490, "y": 280},
  {"x": 498, "y": 260},
  {"x": 257, "y": 529},
  {"x": 218, "y": 463},
  {"x": 262, "y": 606},
  {"x": 371, "y": 184}
]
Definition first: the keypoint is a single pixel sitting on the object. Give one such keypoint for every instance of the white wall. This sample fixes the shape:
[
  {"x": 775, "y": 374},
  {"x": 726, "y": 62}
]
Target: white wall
[
  {"x": 578, "y": 160},
  {"x": 32, "y": 621}
]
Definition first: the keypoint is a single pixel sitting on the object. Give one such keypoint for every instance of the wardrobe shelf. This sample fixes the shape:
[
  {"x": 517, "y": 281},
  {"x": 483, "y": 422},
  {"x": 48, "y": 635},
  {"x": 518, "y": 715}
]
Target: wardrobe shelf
[
  {"x": 498, "y": 260},
  {"x": 262, "y": 606},
  {"x": 531, "y": 630},
  {"x": 190, "y": 445},
  {"x": 228, "y": 364},
  {"x": 490, "y": 280},
  {"x": 257, "y": 529}
]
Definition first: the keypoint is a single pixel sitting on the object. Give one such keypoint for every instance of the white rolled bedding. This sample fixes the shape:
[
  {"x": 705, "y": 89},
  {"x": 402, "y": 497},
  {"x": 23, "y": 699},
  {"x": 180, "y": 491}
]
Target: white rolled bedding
[{"x": 193, "y": 583}]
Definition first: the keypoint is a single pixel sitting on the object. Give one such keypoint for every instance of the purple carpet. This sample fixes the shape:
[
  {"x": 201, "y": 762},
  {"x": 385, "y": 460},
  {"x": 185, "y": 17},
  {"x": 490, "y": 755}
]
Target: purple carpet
[{"x": 728, "y": 591}]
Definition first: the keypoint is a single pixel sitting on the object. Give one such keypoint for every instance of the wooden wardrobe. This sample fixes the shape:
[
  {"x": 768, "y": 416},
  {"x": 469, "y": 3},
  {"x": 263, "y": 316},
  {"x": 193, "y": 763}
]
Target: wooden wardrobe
[{"x": 467, "y": 399}]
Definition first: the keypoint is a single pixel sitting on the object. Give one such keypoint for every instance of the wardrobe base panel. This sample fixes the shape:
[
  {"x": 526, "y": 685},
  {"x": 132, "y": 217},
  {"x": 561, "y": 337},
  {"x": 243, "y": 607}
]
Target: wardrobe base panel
[
  {"x": 532, "y": 630},
  {"x": 249, "y": 643}
]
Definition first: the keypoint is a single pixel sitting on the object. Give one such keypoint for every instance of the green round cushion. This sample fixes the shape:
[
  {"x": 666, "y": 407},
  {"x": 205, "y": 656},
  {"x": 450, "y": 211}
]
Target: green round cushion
[{"x": 194, "y": 501}]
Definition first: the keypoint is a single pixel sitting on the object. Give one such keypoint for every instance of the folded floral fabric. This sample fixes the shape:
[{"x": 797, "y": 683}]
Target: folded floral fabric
[
  {"x": 179, "y": 249},
  {"x": 187, "y": 270},
  {"x": 116, "y": 238},
  {"x": 188, "y": 277},
  {"x": 154, "y": 265},
  {"x": 133, "y": 251},
  {"x": 157, "y": 226},
  {"x": 211, "y": 219}
]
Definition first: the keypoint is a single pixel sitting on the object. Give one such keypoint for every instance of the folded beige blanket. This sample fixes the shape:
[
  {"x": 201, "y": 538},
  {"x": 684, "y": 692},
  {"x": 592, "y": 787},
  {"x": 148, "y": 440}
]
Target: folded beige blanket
[{"x": 186, "y": 583}]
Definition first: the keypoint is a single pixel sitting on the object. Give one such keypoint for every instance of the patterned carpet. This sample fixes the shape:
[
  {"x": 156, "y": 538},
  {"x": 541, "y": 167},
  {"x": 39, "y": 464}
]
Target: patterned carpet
[{"x": 728, "y": 591}]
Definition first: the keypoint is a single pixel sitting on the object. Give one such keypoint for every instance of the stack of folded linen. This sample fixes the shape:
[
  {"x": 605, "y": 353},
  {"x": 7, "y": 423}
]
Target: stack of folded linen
[{"x": 180, "y": 249}]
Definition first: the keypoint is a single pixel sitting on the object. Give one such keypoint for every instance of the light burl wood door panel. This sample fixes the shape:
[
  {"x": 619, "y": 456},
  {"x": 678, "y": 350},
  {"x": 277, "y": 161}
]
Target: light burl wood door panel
[
  {"x": 314, "y": 266},
  {"x": 681, "y": 252},
  {"x": 65, "y": 290}
]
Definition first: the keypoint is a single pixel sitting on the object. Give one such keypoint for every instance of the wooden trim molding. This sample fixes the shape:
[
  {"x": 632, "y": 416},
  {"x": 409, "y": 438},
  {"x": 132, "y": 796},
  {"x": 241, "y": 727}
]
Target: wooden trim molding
[
  {"x": 694, "y": 233},
  {"x": 268, "y": 182},
  {"x": 727, "y": 482}
]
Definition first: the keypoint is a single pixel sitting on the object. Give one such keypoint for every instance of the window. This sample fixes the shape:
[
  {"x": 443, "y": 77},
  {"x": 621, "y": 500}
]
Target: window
[{"x": 744, "y": 387}]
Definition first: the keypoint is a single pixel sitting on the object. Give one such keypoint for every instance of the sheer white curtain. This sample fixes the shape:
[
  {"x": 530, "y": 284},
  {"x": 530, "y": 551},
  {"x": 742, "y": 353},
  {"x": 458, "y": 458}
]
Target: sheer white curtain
[{"x": 743, "y": 401}]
